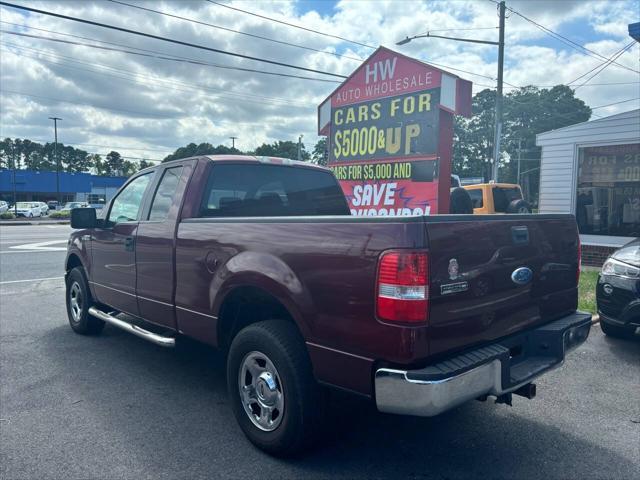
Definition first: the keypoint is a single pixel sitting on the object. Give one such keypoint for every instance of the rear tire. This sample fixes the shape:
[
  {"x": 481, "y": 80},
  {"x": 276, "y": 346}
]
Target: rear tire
[
  {"x": 79, "y": 300},
  {"x": 613, "y": 330},
  {"x": 272, "y": 391},
  {"x": 460, "y": 201},
  {"x": 519, "y": 206}
]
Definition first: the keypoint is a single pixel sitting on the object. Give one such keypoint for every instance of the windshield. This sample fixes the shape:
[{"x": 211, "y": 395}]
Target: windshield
[
  {"x": 23, "y": 205},
  {"x": 73, "y": 205}
]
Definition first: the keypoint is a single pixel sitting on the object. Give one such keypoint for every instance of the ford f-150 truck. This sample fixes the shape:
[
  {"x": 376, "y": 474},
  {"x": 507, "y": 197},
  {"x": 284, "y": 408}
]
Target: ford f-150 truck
[{"x": 260, "y": 258}]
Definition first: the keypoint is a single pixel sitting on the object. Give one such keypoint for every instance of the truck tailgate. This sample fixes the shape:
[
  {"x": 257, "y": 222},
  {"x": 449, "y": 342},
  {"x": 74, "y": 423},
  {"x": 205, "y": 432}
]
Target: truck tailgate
[{"x": 473, "y": 297}]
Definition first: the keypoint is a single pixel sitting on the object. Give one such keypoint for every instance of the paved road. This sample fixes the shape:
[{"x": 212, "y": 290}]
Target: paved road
[
  {"x": 32, "y": 251},
  {"x": 117, "y": 407}
]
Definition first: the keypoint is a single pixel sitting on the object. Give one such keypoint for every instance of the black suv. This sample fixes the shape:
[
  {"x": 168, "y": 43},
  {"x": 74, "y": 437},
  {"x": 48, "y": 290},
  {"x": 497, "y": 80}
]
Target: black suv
[{"x": 618, "y": 292}]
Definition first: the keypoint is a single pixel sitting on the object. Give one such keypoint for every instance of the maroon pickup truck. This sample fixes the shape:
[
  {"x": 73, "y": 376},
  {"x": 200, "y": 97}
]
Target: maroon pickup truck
[{"x": 260, "y": 258}]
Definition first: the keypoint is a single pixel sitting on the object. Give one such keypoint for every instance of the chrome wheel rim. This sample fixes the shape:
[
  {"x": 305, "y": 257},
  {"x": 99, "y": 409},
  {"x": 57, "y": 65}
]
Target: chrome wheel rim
[
  {"x": 75, "y": 301},
  {"x": 261, "y": 391},
  {"x": 523, "y": 210}
]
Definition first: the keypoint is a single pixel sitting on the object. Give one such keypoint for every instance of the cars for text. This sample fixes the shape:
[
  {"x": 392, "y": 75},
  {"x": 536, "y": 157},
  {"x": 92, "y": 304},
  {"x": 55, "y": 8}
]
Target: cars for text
[
  {"x": 618, "y": 292},
  {"x": 260, "y": 258}
]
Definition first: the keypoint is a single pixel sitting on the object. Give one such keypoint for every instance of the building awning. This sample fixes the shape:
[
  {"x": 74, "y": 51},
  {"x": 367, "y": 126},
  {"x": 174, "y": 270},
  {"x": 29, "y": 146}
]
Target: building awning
[{"x": 634, "y": 31}]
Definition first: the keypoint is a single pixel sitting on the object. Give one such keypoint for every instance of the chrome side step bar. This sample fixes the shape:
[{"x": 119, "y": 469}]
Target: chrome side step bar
[{"x": 136, "y": 330}]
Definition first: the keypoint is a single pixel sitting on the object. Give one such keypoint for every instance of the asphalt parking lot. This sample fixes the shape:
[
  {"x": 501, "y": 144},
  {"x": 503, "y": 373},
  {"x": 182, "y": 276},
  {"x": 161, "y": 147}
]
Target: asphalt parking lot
[{"x": 116, "y": 407}]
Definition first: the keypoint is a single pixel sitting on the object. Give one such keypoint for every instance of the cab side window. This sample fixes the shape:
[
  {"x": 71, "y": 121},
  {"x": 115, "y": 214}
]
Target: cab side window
[
  {"x": 126, "y": 206},
  {"x": 165, "y": 194}
]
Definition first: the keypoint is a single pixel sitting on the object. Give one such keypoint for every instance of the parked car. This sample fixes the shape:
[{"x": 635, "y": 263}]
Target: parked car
[
  {"x": 4, "y": 206},
  {"x": 28, "y": 209},
  {"x": 44, "y": 208},
  {"x": 52, "y": 204},
  {"x": 71, "y": 205},
  {"x": 618, "y": 292},
  {"x": 261, "y": 258},
  {"x": 489, "y": 198}
]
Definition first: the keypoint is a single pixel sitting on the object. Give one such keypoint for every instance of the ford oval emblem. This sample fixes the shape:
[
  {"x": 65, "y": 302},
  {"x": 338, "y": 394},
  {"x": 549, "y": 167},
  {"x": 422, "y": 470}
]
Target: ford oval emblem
[{"x": 522, "y": 276}]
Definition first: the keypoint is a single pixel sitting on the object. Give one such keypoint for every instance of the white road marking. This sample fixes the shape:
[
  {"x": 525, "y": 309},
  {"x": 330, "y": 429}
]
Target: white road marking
[
  {"x": 45, "y": 246},
  {"x": 30, "y": 280}
]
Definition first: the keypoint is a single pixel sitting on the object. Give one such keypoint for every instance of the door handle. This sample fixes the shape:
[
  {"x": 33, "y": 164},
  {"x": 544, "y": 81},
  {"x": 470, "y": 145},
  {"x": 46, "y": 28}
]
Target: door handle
[{"x": 129, "y": 244}]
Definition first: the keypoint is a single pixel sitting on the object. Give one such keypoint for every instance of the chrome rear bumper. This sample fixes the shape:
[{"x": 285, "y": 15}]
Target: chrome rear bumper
[{"x": 495, "y": 369}]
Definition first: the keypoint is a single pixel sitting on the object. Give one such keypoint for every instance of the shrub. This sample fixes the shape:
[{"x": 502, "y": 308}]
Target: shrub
[
  {"x": 59, "y": 215},
  {"x": 7, "y": 215}
]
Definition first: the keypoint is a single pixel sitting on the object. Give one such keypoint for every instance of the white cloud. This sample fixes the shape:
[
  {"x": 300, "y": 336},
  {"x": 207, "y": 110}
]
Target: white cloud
[{"x": 160, "y": 105}]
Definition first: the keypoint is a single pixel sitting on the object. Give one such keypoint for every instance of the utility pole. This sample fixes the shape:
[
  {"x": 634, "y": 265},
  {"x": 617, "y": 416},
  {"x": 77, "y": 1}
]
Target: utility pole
[
  {"x": 55, "y": 154},
  {"x": 498, "y": 127},
  {"x": 500, "y": 44},
  {"x": 233, "y": 142},
  {"x": 300, "y": 148},
  {"x": 519, "y": 158}
]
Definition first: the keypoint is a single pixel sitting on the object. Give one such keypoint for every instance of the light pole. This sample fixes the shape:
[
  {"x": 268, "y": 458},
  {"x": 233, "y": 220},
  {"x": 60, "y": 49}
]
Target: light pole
[
  {"x": 500, "y": 44},
  {"x": 233, "y": 142},
  {"x": 55, "y": 154}
]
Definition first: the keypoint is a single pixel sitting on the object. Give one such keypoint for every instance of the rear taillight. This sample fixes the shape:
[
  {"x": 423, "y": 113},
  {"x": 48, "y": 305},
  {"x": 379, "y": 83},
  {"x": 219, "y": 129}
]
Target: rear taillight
[
  {"x": 403, "y": 287},
  {"x": 579, "y": 261}
]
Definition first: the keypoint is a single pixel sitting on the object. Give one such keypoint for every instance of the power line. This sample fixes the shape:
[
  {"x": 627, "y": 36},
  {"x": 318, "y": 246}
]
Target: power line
[
  {"x": 589, "y": 85},
  {"x": 100, "y": 107},
  {"x": 199, "y": 22},
  {"x": 142, "y": 114},
  {"x": 293, "y": 25},
  {"x": 613, "y": 57},
  {"x": 606, "y": 64},
  {"x": 170, "y": 58},
  {"x": 128, "y": 74},
  {"x": 615, "y": 103},
  {"x": 112, "y": 147},
  {"x": 568, "y": 41},
  {"x": 161, "y": 56},
  {"x": 169, "y": 40}
]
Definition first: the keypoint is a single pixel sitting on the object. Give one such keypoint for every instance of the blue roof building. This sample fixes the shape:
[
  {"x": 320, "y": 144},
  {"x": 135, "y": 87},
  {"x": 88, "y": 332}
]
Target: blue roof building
[{"x": 41, "y": 186}]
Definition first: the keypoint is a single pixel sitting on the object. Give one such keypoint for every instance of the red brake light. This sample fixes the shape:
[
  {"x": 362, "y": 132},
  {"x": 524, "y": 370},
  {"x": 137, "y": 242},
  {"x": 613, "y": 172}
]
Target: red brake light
[{"x": 403, "y": 287}]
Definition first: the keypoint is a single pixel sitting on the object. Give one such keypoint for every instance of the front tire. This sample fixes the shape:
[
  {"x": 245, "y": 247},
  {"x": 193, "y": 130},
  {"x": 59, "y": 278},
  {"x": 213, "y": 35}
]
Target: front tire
[
  {"x": 78, "y": 302},
  {"x": 272, "y": 391}
]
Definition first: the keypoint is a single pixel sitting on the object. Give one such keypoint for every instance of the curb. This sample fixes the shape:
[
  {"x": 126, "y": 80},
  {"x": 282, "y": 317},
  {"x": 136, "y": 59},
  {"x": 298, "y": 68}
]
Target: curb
[{"x": 20, "y": 222}]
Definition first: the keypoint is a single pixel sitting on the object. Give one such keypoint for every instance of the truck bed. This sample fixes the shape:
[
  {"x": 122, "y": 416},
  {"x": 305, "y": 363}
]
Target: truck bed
[{"x": 323, "y": 269}]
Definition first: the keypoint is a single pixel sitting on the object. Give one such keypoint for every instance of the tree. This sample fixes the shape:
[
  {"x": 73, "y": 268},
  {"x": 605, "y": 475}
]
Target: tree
[
  {"x": 115, "y": 165},
  {"x": 145, "y": 164},
  {"x": 286, "y": 149},
  {"x": 527, "y": 112},
  {"x": 473, "y": 138},
  {"x": 193, "y": 150},
  {"x": 320, "y": 154}
]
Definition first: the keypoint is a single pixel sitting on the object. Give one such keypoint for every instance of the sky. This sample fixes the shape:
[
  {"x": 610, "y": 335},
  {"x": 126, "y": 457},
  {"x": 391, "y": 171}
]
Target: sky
[{"x": 146, "y": 105}]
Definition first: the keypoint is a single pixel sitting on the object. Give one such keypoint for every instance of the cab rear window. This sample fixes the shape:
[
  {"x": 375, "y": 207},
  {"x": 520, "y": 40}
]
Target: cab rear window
[
  {"x": 503, "y": 196},
  {"x": 256, "y": 190}
]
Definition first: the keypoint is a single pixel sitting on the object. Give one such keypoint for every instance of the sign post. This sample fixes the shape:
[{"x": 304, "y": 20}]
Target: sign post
[{"x": 390, "y": 134}]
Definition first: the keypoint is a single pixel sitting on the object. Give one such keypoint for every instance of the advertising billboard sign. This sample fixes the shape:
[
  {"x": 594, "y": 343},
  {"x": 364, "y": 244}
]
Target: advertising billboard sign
[{"x": 389, "y": 129}]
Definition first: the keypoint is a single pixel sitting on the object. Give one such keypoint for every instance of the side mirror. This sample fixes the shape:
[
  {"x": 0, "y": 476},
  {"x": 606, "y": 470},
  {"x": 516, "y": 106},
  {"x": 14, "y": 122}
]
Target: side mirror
[{"x": 83, "y": 218}]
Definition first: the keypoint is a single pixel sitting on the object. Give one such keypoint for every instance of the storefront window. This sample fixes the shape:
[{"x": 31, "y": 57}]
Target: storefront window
[{"x": 608, "y": 197}]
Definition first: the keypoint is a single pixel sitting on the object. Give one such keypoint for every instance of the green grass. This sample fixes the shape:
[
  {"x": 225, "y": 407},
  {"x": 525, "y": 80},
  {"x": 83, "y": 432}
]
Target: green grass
[{"x": 587, "y": 291}]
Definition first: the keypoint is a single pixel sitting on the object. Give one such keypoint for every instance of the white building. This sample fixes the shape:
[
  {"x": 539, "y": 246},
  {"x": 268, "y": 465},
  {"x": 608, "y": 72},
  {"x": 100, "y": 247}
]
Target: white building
[{"x": 592, "y": 170}]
